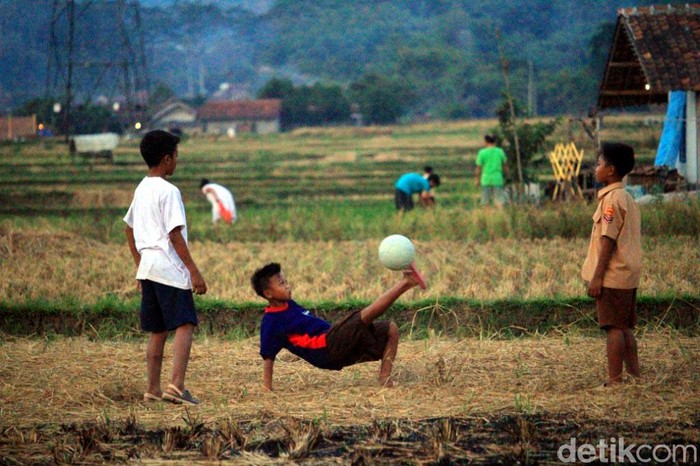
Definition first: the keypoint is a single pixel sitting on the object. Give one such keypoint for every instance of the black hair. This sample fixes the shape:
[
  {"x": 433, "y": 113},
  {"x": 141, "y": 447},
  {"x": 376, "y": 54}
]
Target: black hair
[
  {"x": 261, "y": 278},
  {"x": 490, "y": 138},
  {"x": 619, "y": 155},
  {"x": 157, "y": 144},
  {"x": 428, "y": 169},
  {"x": 435, "y": 179},
  {"x": 203, "y": 183}
]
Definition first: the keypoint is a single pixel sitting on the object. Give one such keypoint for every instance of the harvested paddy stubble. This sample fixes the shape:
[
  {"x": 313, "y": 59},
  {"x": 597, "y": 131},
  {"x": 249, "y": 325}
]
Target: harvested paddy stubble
[
  {"x": 62, "y": 266},
  {"x": 482, "y": 400}
]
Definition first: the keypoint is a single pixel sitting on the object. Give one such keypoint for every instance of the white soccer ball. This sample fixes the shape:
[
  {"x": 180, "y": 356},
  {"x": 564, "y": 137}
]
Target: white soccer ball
[{"x": 396, "y": 252}]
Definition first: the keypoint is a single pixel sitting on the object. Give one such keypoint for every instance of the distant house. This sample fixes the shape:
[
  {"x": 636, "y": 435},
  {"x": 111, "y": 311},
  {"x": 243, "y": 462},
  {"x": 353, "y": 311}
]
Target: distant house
[
  {"x": 13, "y": 127},
  {"x": 175, "y": 114},
  {"x": 656, "y": 51},
  {"x": 240, "y": 116}
]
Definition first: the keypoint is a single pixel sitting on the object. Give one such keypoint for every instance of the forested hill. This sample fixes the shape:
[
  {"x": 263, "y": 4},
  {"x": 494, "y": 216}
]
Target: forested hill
[{"x": 444, "y": 51}]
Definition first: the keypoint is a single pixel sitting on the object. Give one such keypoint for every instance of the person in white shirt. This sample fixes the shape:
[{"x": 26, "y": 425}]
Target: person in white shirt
[
  {"x": 223, "y": 207},
  {"x": 156, "y": 233}
]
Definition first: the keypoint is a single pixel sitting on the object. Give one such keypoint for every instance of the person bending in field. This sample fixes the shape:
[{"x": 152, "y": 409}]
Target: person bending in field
[
  {"x": 356, "y": 338},
  {"x": 409, "y": 184},
  {"x": 223, "y": 207},
  {"x": 614, "y": 260},
  {"x": 156, "y": 233}
]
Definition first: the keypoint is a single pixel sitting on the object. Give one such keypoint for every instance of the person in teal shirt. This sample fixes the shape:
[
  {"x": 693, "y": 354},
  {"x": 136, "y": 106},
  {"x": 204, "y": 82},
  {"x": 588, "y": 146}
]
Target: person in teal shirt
[
  {"x": 490, "y": 167},
  {"x": 409, "y": 184}
]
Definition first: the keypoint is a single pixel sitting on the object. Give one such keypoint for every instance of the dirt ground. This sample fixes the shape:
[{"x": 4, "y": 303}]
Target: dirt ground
[{"x": 67, "y": 400}]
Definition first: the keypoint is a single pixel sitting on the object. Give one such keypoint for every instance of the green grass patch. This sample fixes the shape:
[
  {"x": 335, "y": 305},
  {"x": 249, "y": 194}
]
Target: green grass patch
[{"x": 113, "y": 317}]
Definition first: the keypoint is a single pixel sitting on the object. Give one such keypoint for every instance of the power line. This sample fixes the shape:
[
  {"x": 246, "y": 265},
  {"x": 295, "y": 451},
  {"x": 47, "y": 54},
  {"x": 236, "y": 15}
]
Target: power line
[{"x": 80, "y": 62}]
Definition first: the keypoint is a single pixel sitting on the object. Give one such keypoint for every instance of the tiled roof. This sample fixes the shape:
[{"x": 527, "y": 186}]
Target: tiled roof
[
  {"x": 656, "y": 49},
  {"x": 263, "y": 109}
]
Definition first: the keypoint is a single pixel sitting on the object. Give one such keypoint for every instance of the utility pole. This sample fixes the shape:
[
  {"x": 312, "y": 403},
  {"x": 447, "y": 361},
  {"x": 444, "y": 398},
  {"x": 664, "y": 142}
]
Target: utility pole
[
  {"x": 70, "y": 6},
  {"x": 120, "y": 58},
  {"x": 504, "y": 66},
  {"x": 531, "y": 89}
]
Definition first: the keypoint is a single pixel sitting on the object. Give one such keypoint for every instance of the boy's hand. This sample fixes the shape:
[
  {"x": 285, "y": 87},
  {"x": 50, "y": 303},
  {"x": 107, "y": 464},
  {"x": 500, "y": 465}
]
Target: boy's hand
[
  {"x": 595, "y": 287},
  {"x": 199, "y": 286}
]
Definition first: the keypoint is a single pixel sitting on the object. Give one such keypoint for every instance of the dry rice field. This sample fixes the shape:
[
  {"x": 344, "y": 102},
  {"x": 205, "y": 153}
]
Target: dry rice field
[
  {"x": 487, "y": 400},
  {"x": 74, "y": 400},
  {"x": 39, "y": 264}
]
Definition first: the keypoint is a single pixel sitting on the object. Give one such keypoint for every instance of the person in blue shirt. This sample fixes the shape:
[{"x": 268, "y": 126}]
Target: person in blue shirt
[
  {"x": 409, "y": 184},
  {"x": 356, "y": 338}
]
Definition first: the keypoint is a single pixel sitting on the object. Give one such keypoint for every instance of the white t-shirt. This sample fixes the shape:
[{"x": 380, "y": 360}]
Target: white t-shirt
[
  {"x": 224, "y": 195},
  {"x": 156, "y": 210}
]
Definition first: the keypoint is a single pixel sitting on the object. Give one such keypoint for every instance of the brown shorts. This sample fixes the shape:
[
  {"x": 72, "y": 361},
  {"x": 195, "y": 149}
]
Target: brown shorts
[
  {"x": 617, "y": 308},
  {"x": 351, "y": 341}
]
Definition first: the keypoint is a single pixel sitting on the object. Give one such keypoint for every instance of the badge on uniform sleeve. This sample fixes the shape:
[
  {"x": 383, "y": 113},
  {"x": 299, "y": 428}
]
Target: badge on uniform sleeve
[{"x": 608, "y": 215}]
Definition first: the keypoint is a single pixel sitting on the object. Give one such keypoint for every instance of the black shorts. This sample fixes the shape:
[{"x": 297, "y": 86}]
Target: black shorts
[
  {"x": 617, "y": 308},
  {"x": 165, "y": 307},
  {"x": 402, "y": 200},
  {"x": 351, "y": 341}
]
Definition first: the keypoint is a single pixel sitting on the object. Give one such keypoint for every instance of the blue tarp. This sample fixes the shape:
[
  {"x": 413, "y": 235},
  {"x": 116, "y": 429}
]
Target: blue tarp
[{"x": 672, "y": 142}]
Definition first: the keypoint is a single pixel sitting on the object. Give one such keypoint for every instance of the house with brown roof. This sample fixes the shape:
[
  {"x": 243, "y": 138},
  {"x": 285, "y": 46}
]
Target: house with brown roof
[
  {"x": 233, "y": 117},
  {"x": 655, "y": 51}
]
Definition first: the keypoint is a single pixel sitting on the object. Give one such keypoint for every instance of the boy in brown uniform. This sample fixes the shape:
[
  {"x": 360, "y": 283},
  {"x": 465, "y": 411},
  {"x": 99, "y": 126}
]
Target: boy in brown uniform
[{"x": 614, "y": 260}]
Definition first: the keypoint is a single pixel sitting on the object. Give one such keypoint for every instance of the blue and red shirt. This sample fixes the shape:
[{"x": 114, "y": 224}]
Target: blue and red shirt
[{"x": 294, "y": 328}]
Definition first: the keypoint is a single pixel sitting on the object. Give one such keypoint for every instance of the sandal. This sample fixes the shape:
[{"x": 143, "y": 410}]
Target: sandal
[
  {"x": 151, "y": 397},
  {"x": 179, "y": 397}
]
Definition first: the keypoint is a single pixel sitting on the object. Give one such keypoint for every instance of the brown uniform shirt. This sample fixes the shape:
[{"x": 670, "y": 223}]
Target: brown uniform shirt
[{"x": 618, "y": 218}]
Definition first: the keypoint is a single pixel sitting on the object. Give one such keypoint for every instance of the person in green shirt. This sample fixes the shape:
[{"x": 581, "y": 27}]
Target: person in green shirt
[{"x": 490, "y": 167}]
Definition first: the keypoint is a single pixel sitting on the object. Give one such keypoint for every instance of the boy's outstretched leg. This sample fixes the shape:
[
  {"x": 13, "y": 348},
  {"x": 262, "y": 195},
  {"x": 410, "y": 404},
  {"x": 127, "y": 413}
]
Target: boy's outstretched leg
[
  {"x": 631, "y": 358},
  {"x": 615, "y": 346},
  {"x": 378, "y": 307},
  {"x": 389, "y": 355}
]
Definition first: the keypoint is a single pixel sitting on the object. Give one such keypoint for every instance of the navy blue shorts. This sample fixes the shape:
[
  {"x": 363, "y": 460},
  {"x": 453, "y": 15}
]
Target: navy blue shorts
[{"x": 165, "y": 308}]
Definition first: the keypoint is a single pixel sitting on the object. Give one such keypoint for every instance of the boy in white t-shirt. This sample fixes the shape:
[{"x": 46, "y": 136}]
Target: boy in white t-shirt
[
  {"x": 156, "y": 232},
  {"x": 223, "y": 207}
]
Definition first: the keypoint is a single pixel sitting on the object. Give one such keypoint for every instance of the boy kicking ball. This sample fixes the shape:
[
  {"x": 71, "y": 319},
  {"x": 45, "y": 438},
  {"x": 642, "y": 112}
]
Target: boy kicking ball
[
  {"x": 356, "y": 338},
  {"x": 614, "y": 260}
]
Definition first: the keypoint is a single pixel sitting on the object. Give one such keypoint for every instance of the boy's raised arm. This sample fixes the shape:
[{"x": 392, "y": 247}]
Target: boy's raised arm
[{"x": 267, "y": 373}]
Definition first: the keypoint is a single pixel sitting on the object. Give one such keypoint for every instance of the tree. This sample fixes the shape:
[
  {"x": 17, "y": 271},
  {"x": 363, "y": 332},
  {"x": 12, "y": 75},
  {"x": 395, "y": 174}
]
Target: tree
[
  {"x": 160, "y": 94},
  {"x": 88, "y": 119},
  {"x": 41, "y": 107},
  {"x": 531, "y": 137},
  {"x": 599, "y": 46},
  {"x": 320, "y": 104},
  {"x": 276, "y": 88},
  {"x": 382, "y": 100}
]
